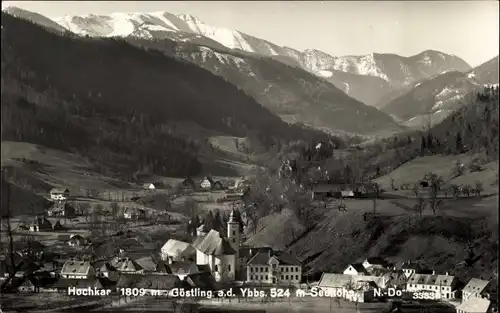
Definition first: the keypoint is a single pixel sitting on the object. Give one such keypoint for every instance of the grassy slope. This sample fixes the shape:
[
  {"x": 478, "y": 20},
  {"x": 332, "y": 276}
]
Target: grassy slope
[{"x": 342, "y": 238}]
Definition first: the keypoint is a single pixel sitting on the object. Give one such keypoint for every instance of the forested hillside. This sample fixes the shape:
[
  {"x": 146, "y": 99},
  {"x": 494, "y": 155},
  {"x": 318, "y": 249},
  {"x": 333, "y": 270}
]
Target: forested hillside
[{"x": 113, "y": 102}]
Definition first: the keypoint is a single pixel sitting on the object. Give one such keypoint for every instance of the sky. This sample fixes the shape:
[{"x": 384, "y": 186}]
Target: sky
[{"x": 468, "y": 29}]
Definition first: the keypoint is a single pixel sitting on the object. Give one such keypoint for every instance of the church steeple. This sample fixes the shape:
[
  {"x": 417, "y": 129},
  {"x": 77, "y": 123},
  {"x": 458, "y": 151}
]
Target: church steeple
[{"x": 233, "y": 233}]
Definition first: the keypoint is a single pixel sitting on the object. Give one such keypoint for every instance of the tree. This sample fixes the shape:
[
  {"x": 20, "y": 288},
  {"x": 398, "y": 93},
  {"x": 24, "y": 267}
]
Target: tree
[
  {"x": 114, "y": 210},
  {"x": 420, "y": 205},
  {"x": 392, "y": 184},
  {"x": 458, "y": 169},
  {"x": 435, "y": 183},
  {"x": 459, "y": 143},
  {"x": 479, "y": 188},
  {"x": 466, "y": 190},
  {"x": 455, "y": 190}
]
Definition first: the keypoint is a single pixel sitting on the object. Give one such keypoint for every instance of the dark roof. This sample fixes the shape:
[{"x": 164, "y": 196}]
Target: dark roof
[
  {"x": 245, "y": 251},
  {"x": 324, "y": 188},
  {"x": 25, "y": 245},
  {"x": 358, "y": 267},
  {"x": 59, "y": 190},
  {"x": 202, "y": 280},
  {"x": 377, "y": 261},
  {"x": 160, "y": 282},
  {"x": 283, "y": 258},
  {"x": 411, "y": 265},
  {"x": 183, "y": 268},
  {"x": 203, "y": 267},
  {"x": 213, "y": 244},
  {"x": 106, "y": 267}
]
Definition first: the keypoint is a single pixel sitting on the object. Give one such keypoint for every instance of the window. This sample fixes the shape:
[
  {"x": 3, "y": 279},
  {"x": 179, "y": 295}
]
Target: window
[
  {"x": 251, "y": 269},
  {"x": 234, "y": 232},
  {"x": 251, "y": 277},
  {"x": 286, "y": 277},
  {"x": 266, "y": 277},
  {"x": 229, "y": 267},
  {"x": 297, "y": 277},
  {"x": 216, "y": 268}
]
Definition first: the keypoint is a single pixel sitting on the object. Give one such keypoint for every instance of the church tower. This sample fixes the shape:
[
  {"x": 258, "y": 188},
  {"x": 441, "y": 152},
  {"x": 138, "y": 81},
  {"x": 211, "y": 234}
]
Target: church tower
[{"x": 233, "y": 235}]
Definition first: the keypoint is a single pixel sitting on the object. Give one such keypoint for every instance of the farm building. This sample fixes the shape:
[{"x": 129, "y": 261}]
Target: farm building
[
  {"x": 77, "y": 269},
  {"x": 176, "y": 250},
  {"x": 59, "y": 194},
  {"x": 207, "y": 183}
]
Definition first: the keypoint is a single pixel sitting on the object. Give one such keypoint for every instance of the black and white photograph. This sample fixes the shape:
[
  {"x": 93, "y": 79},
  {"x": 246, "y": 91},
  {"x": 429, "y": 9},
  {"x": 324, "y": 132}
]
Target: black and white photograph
[{"x": 249, "y": 156}]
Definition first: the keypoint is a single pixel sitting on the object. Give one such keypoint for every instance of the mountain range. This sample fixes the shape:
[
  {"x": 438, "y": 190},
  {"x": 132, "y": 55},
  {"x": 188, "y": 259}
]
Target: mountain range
[
  {"x": 365, "y": 78},
  {"x": 432, "y": 100},
  {"x": 407, "y": 89}
]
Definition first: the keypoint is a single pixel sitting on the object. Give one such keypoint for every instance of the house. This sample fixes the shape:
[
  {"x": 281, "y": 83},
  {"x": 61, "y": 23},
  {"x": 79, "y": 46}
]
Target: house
[
  {"x": 76, "y": 269},
  {"x": 443, "y": 286},
  {"x": 149, "y": 186},
  {"x": 217, "y": 253},
  {"x": 218, "y": 185},
  {"x": 183, "y": 269},
  {"x": 147, "y": 263},
  {"x": 322, "y": 191},
  {"x": 59, "y": 194},
  {"x": 347, "y": 193},
  {"x": 354, "y": 288},
  {"x": 134, "y": 213},
  {"x": 375, "y": 262},
  {"x": 58, "y": 227},
  {"x": 207, "y": 183},
  {"x": 25, "y": 266},
  {"x": 106, "y": 271},
  {"x": 50, "y": 268},
  {"x": 41, "y": 224},
  {"x": 176, "y": 250},
  {"x": 126, "y": 265},
  {"x": 355, "y": 269},
  {"x": 410, "y": 268},
  {"x": 76, "y": 241},
  {"x": 162, "y": 268},
  {"x": 188, "y": 183},
  {"x": 274, "y": 267},
  {"x": 476, "y": 305},
  {"x": 202, "y": 281},
  {"x": 478, "y": 288},
  {"x": 246, "y": 253},
  {"x": 27, "y": 285}
]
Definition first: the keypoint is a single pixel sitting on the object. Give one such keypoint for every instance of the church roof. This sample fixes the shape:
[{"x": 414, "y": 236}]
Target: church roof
[{"x": 213, "y": 244}]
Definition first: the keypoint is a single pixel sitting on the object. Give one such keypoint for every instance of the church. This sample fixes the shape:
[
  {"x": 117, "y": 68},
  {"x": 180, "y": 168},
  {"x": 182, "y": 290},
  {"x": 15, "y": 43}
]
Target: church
[{"x": 221, "y": 255}]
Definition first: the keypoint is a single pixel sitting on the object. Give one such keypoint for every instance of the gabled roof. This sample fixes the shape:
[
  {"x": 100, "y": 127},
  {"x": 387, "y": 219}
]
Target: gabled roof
[
  {"x": 106, "y": 267},
  {"x": 74, "y": 267},
  {"x": 183, "y": 268},
  {"x": 125, "y": 265},
  {"x": 475, "y": 305},
  {"x": 435, "y": 280},
  {"x": 377, "y": 261},
  {"x": 358, "y": 267},
  {"x": 213, "y": 244},
  {"x": 475, "y": 285},
  {"x": 202, "y": 280},
  {"x": 411, "y": 266},
  {"x": 162, "y": 267},
  {"x": 177, "y": 248},
  {"x": 147, "y": 263}
]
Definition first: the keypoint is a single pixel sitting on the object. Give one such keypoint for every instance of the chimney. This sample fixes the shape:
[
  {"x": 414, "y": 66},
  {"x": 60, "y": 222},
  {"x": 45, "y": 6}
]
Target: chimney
[
  {"x": 446, "y": 274},
  {"x": 251, "y": 252},
  {"x": 433, "y": 272},
  {"x": 270, "y": 253}
]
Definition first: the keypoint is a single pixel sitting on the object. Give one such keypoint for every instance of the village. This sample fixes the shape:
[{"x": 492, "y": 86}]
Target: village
[{"x": 208, "y": 259}]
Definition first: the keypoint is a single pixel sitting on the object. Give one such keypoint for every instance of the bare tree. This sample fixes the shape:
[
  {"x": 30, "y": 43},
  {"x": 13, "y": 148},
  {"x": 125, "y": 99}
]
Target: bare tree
[
  {"x": 479, "y": 188},
  {"x": 435, "y": 184},
  {"x": 420, "y": 206},
  {"x": 466, "y": 190},
  {"x": 455, "y": 190}
]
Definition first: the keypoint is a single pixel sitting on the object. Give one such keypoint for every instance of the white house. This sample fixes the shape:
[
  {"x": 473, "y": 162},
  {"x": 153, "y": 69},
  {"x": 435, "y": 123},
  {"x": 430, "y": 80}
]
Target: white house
[
  {"x": 77, "y": 270},
  {"x": 476, "y": 305},
  {"x": 375, "y": 262},
  {"x": 355, "y": 269},
  {"x": 76, "y": 241},
  {"x": 476, "y": 288},
  {"x": 59, "y": 194},
  {"x": 176, "y": 250},
  {"x": 133, "y": 213},
  {"x": 354, "y": 288},
  {"x": 207, "y": 183},
  {"x": 274, "y": 267},
  {"x": 217, "y": 253},
  {"x": 347, "y": 193},
  {"x": 149, "y": 186},
  {"x": 443, "y": 286}
]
